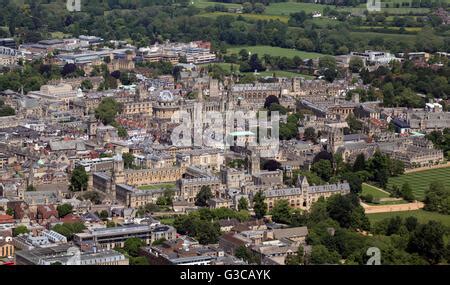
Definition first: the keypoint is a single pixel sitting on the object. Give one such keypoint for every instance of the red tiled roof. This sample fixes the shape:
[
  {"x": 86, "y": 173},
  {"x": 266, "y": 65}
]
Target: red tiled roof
[{"x": 6, "y": 219}]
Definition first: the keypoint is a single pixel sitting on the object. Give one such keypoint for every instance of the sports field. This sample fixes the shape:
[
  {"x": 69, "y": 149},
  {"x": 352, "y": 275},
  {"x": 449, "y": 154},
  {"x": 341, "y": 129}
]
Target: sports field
[
  {"x": 420, "y": 181},
  {"x": 421, "y": 215},
  {"x": 275, "y": 51}
]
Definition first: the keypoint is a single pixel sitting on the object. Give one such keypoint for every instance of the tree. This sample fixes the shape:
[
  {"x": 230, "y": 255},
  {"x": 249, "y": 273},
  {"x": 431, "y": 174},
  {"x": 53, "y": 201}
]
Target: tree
[
  {"x": 296, "y": 259},
  {"x": 69, "y": 229},
  {"x": 79, "y": 179},
  {"x": 10, "y": 212},
  {"x": 407, "y": 192},
  {"x": 327, "y": 62},
  {"x": 243, "y": 204},
  {"x": 281, "y": 212},
  {"x": 396, "y": 167},
  {"x": 428, "y": 241},
  {"x": 323, "y": 169},
  {"x": 272, "y": 99},
  {"x": 360, "y": 163},
  {"x": 201, "y": 200},
  {"x": 321, "y": 255},
  {"x": 138, "y": 261},
  {"x": 310, "y": 134},
  {"x": 19, "y": 230},
  {"x": 209, "y": 233},
  {"x": 103, "y": 215},
  {"x": 86, "y": 85},
  {"x": 255, "y": 63},
  {"x": 107, "y": 110},
  {"x": 132, "y": 246},
  {"x": 347, "y": 211},
  {"x": 31, "y": 188},
  {"x": 128, "y": 160},
  {"x": 122, "y": 132},
  {"x": 378, "y": 166},
  {"x": 259, "y": 205},
  {"x": 64, "y": 210},
  {"x": 68, "y": 69},
  {"x": 272, "y": 165},
  {"x": 355, "y": 64},
  {"x": 437, "y": 198},
  {"x": 246, "y": 254}
]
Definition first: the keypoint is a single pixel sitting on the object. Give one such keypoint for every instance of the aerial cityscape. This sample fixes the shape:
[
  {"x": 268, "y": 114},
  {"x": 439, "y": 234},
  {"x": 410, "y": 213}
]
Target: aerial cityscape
[{"x": 224, "y": 132}]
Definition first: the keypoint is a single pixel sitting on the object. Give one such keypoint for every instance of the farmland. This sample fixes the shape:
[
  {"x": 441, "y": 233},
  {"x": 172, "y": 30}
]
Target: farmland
[{"x": 420, "y": 181}]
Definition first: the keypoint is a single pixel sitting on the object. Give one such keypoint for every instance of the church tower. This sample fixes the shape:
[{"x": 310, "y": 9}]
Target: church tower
[
  {"x": 213, "y": 88},
  {"x": 92, "y": 127},
  {"x": 296, "y": 84},
  {"x": 335, "y": 139},
  {"x": 253, "y": 163},
  {"x": 118, "y": 175},
  {"x": 142, "y": 92}
]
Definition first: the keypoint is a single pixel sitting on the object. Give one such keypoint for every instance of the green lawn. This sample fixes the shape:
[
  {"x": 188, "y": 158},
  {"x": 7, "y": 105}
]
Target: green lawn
[
  {"x": 157, "y": 186},
  {"x": 275, "y": 51},
  {"x": 286, "y": 8},
  {"x": 375, "y": 192},
  {"x": 255, "y": 17},
  {"x": 278, "y": 73},
  {"x": 408, "y": 29},
  {"x": 282, "y": 73},
  {"x": 168, "y": 221},
  {"x": 204, "y": 3},
  {"x": 421, "y": 215},
  {"x": 420, "y": 181}
]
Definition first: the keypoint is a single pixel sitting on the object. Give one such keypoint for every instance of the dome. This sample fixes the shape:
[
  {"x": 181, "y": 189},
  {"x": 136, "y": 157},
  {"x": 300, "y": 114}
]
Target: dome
[{"x": 166, "y": 96}]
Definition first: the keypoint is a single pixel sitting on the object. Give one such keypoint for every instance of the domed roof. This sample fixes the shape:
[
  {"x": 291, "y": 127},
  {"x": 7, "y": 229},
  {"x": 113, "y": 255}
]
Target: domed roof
[{"x": 166, "y": 96}]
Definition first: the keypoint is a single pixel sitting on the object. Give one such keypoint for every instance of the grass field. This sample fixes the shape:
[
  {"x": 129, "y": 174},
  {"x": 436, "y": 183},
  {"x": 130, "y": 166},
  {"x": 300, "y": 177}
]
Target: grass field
[
  {"x": 157, "y": 186},
  {"x": 255, "y": 17},
  {"x": 286, "y": 8},
  {"x": 420, "y": 181},
  {"x": 204, "y": 3},
  {"x": 408, "y": 29},
  {"x": 375, "y": 192},
  {"x": 278, "y": 73},
  {"x": 276, "y": 51},
  {"x": 282, "y": 73},
  {"x": 421, "y": 215}
]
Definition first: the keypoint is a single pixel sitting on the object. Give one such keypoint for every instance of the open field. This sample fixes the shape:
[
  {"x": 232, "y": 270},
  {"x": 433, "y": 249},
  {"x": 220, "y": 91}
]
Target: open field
[
  {"x": 408, "y": 29},
  {"x": 157, "y": 186},
  {"x": 283, "y": 73},
  {"x": 421, "y": 215},
  {"x": 420, "y": 181},
  {"x": 255, "y": 17},
  {"x": 278, "y": 73},
  {"x": 286, "y": 8},
  {"x": 275, "y": 51},
  {"x": 205, "y": 3},
  {"x": 375, "y": 192}
]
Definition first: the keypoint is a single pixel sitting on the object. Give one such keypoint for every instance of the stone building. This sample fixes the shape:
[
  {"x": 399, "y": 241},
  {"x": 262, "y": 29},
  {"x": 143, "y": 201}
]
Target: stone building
[{"x": 304, "y": 195}]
